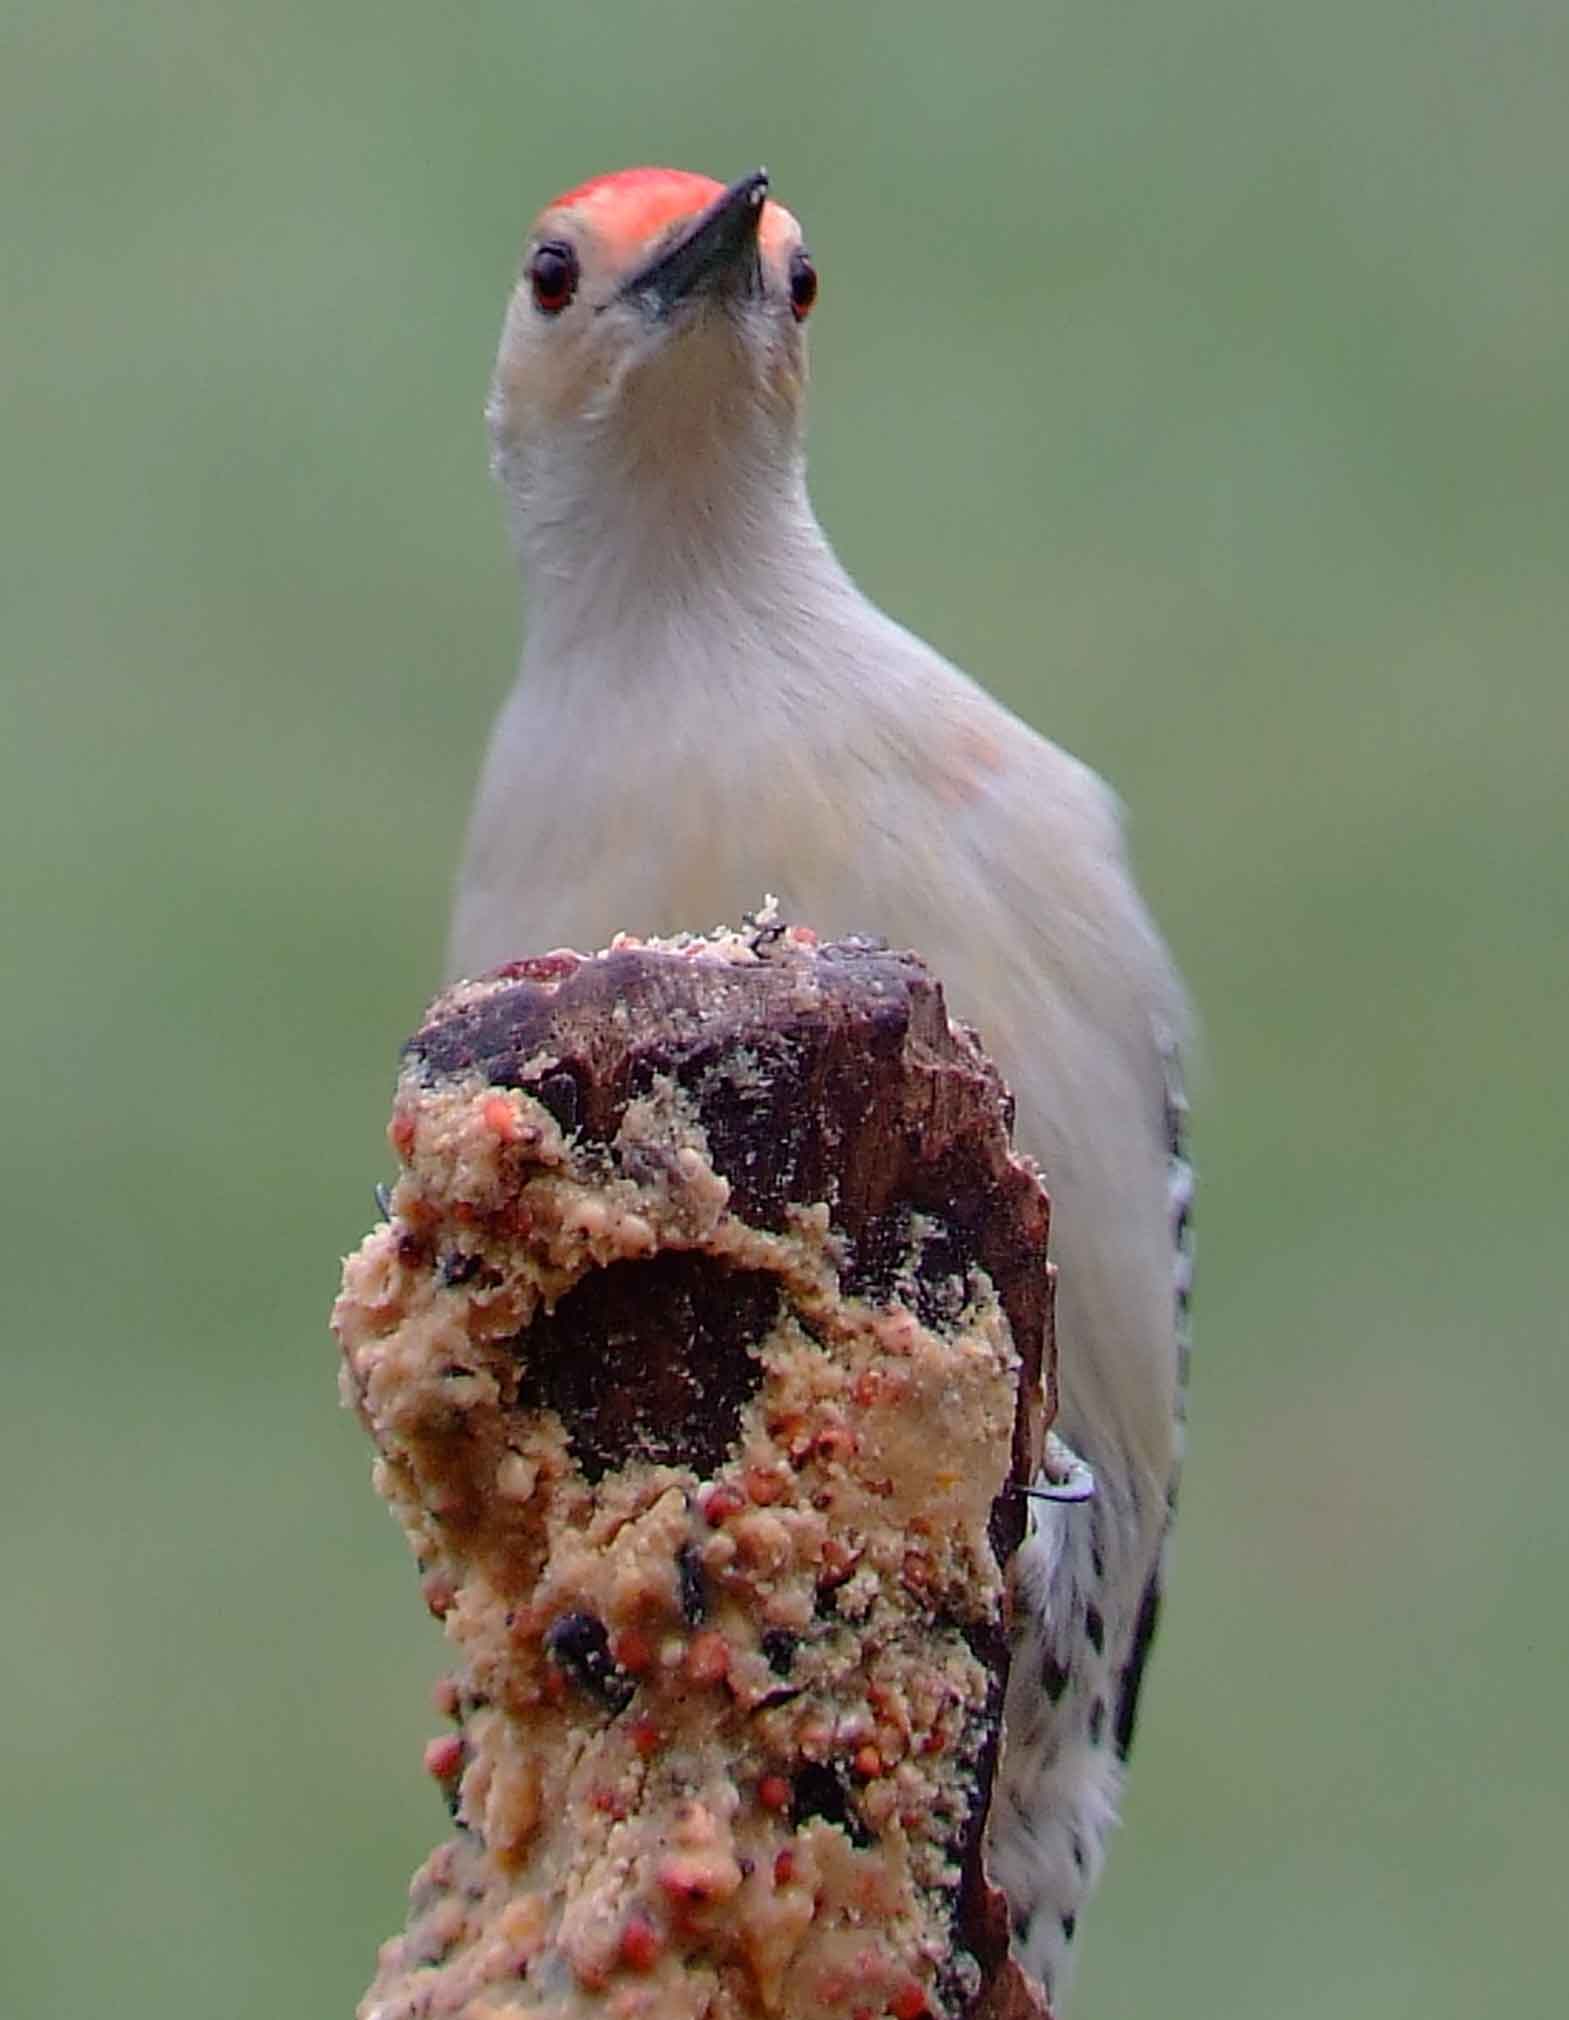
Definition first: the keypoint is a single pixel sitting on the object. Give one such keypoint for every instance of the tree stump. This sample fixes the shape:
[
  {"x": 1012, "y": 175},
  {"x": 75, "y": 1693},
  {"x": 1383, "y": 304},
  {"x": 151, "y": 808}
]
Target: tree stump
[{"x": 706, "y": 1348}]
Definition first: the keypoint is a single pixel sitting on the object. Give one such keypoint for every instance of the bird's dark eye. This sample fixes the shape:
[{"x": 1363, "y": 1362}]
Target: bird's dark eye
[
  {"x": 553, "y": 275},
  {"x": 803, "y": 284}
]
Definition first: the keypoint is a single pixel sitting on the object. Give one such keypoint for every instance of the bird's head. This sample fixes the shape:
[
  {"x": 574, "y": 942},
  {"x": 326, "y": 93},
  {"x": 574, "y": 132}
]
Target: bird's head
[{"x": 655, "y": 341}]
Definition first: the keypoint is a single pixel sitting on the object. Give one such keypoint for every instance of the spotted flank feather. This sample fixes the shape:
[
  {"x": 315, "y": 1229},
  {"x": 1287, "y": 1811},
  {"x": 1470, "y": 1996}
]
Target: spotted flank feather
[
  {"x": 1179, "y": 1201},
  {"x": 1079, "y": 1661}
]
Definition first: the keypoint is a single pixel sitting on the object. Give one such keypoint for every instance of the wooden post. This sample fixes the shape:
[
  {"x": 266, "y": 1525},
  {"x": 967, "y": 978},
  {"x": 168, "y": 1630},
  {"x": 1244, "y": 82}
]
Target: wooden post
[{"x": 705, "y": 1348}]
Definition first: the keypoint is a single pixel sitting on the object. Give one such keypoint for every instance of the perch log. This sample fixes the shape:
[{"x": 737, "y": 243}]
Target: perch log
[{"x": 705, "y": 1347}]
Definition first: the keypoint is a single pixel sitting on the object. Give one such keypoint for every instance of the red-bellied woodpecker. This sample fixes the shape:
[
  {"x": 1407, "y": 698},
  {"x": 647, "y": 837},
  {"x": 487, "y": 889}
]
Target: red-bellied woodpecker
[{"x": 708, "y": 709}]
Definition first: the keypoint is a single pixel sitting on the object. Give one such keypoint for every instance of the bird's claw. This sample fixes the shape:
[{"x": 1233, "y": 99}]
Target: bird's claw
[{"x": 1064, "y": 1476}]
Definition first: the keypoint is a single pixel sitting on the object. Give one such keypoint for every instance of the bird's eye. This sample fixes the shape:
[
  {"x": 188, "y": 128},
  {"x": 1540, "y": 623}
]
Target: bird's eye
[
  {"x": 553, "y": 275},
  {"x": 803, "y": 284}
]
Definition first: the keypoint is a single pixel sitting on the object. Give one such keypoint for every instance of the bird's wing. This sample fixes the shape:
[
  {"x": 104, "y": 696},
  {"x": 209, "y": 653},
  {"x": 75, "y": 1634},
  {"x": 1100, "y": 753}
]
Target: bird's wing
[{"x": 1179, "y": 1195}]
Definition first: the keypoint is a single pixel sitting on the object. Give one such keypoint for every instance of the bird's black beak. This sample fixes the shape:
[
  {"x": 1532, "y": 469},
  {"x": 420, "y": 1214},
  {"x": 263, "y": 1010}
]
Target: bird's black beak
[{"x": 719, "y": 251}]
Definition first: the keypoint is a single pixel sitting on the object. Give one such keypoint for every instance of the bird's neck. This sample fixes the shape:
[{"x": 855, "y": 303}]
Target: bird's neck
[{"x": 684, "y": 569}]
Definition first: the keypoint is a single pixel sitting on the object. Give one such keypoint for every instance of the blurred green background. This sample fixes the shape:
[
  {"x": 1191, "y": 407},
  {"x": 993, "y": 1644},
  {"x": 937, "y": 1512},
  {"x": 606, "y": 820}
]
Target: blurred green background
[{"x": 1192, "y": 371}]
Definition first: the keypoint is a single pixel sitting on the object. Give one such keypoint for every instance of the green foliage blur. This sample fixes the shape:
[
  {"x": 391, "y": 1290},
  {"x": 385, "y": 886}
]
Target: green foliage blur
[{"x": 1193, "y": 372}]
